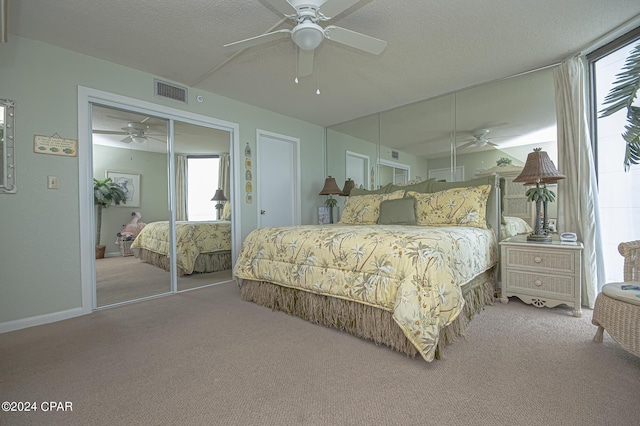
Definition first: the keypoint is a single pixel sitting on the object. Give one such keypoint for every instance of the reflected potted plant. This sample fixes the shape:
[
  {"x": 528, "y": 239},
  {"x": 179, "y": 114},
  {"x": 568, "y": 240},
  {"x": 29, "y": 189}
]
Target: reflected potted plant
[
  {"x": 504, "y": 161},
  {"x": 105, "y": 193}
]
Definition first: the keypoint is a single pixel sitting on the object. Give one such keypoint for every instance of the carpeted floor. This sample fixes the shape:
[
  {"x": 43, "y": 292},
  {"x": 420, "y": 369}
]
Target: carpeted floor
[
  {"x": 205, "y": 357},
  {"x": 120, "y": 279}
]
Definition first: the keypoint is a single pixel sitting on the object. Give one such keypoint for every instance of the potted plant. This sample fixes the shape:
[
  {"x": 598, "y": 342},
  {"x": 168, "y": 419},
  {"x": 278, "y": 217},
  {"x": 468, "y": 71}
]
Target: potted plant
[{"x": 105, "y": 193}]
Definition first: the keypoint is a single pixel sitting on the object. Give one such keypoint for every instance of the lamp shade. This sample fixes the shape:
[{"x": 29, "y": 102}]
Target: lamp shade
[
  {"x": 330, "y": 187},
  {"x": 219, "y": 195},
  {"x": 539, "y": 169},
  {"x": 348, "y": 186}
]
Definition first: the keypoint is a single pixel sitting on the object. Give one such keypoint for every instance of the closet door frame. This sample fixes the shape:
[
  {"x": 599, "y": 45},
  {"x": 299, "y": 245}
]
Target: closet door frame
[{"x": 86, "y": 98}]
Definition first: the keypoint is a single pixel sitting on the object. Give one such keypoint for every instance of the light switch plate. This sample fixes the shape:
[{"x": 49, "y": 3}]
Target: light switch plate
[{"x": 52, "y": 182}]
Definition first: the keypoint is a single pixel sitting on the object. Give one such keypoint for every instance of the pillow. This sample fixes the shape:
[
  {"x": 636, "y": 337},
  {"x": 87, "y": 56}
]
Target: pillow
[
  {"x": 424, "y": 186},
  {"x": 401, "y": 211},
  {"x": 365, "y": 209},
  {"x": 359, "y": 191},
  {"x": 453, "y": 207}
]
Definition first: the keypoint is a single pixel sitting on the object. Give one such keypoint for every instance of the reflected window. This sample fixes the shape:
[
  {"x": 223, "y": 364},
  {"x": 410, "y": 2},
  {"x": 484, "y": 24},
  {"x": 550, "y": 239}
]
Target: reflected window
[{"x": 202, "y": 182}]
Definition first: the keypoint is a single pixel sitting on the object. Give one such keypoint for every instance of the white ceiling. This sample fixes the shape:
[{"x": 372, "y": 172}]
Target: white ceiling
[{"x": 434, "y": 47}]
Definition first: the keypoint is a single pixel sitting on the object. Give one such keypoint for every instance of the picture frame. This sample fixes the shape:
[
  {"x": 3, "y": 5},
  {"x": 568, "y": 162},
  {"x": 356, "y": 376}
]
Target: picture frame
[
  {"x": 324, "y": 215},
  {"x": 130, "y": 184}
]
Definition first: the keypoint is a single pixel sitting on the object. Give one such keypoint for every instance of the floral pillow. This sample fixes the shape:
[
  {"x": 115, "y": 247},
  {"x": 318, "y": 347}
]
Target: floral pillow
[
  {"x": 365, "y": 209},
  {"x": 453, "y": 207}
]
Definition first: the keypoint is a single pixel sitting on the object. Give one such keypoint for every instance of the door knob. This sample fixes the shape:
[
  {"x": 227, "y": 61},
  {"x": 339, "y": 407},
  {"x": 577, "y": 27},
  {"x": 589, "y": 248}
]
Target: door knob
[{"x": 262, "y": 212}]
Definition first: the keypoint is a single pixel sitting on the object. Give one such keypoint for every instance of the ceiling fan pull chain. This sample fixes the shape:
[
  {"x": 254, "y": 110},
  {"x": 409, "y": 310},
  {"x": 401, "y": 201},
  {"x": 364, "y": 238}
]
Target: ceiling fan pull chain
[{"x": 297, "y": 56}]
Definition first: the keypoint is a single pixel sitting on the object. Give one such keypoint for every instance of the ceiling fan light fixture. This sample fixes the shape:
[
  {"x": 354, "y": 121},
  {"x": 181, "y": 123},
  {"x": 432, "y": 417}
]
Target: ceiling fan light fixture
[
  {"x": 307, "y": 35},
  {"x": 138, "y": 138}
]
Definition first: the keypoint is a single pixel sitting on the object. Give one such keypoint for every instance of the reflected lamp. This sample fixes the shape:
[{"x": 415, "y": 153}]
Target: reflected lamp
[{"x": 220, "y": 198}]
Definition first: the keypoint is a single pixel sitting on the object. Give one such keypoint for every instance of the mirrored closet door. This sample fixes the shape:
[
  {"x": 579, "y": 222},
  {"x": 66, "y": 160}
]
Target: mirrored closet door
[{"x": 158, "y": 162}]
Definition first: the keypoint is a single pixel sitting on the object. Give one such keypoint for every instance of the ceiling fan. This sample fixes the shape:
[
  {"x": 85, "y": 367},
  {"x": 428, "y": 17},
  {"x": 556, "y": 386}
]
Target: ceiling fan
[
  {"x": 135, "y": 132},
  {"x": 479, "y": 139},
  {"x": 307, "y": 34}
]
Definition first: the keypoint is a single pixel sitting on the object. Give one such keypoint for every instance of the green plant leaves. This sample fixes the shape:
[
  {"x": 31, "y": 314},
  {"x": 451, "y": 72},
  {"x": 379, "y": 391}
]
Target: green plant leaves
[
  {"x": 622, "y": 95},
  {"x": 541, "y": 194}
]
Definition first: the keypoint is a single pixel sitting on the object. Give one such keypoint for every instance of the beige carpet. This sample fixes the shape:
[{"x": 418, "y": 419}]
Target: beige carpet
[
  {"x": 120, "y": 279},
  {"x": 205, "y": 357}
]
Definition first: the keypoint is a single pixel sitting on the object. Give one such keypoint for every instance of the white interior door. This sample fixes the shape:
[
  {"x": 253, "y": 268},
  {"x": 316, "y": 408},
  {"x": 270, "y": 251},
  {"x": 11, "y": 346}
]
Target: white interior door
[
  {"x": 277, "y": 184},
  {"x": 358, "y": 169}
]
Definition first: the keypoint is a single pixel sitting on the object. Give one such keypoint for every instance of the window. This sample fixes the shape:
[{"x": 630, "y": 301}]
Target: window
[
  {"x": 619, "y": 207},
  {"x": 202, "y": 182}
]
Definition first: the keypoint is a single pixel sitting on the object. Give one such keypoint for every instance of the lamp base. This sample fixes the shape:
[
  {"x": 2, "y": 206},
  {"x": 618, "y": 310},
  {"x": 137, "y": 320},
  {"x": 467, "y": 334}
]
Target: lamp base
[{"x": 539, "y": 238}]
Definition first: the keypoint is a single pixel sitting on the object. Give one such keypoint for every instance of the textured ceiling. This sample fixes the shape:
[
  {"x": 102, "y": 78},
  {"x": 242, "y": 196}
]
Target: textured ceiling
[{"x": 434, "y": 47}]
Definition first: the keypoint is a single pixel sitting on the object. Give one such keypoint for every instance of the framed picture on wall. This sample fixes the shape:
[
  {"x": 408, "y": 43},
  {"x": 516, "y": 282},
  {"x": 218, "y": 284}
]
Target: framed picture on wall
[{"x": 130, "y": 184}]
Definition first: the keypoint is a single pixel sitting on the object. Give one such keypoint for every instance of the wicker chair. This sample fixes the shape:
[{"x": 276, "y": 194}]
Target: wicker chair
[{"x": 617, "y": 310}]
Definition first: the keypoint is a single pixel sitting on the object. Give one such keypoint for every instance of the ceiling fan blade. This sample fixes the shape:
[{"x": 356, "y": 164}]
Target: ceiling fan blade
[
  {"x": 283, "y": 6},
  {"x": 254, "y": 41},
  {"x": 356, "y": 40},
  {"x": 128, "y": 139},
  {"x": 331, "y": 8},
  {"x": 305, "y": 62},
  {"x": 468, "y": 144},
  {"x": 109, "y": 132},
  {"x": 157, "y": 139}
]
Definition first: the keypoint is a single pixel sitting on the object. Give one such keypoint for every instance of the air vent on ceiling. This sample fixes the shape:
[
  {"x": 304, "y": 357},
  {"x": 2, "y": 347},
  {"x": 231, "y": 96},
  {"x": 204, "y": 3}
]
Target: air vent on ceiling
[
  {"x": 170, "y": 91},
  {"x": 395, "y": 155}
]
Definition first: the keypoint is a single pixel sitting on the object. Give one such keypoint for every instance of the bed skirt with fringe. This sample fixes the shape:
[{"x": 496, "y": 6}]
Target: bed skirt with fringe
[
  {"x": 366, "y": 321},
  {"x": 205, "y": 262}
]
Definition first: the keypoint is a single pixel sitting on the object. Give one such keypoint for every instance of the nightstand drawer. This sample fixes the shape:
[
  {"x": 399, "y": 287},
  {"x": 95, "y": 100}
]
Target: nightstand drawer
[
  {"x": 539, "y": 260},
  {"x": 527, "y": 282}
]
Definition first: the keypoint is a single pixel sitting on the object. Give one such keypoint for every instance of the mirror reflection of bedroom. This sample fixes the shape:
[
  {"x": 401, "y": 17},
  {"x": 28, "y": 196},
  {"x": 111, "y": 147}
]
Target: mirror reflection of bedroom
[
  {"x": 131, "y": 149},
  {"x": 473, "y": 133}
]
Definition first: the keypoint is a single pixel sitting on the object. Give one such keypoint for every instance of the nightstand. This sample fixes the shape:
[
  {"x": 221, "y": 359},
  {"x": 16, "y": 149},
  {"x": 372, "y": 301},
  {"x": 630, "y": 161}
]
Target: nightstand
[{"x": 541, "y": 274}]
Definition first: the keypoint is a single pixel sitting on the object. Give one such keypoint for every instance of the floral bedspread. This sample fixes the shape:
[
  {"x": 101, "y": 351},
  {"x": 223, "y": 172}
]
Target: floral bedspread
[
  {"x": 415, "y": 272},
  {"x": 192, "y": 239}
]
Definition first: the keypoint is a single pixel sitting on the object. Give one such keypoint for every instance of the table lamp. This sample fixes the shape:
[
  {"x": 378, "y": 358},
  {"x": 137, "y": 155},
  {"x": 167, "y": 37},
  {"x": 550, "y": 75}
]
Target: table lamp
[
  {"x": 539, "y": 169},
  {"x": 220, "y": 198}
]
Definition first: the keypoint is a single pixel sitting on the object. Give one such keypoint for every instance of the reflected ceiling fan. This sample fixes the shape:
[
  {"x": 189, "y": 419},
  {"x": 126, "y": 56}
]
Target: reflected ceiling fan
[
  {"x": 307, "y": 34},
  {"x": 135, "y": 132},
  {"x": 480, "y": 139}
]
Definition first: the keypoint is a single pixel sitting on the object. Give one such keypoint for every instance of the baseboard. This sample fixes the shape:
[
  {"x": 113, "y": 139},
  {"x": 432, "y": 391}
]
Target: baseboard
[{"x": 40, "y": 319}]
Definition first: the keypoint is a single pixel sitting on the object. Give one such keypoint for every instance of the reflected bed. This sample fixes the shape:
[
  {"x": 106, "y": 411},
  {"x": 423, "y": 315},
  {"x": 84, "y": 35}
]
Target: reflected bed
[{"x": 200, "y": 246}]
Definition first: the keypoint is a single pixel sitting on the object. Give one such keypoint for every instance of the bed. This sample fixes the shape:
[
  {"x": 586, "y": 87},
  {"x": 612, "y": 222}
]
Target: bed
[
  {"x": 412, "y": 287},
  {"x": 200, "y": 246}
]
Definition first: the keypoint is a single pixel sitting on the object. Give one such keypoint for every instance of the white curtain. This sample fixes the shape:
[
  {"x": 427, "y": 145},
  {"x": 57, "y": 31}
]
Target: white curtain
[
  {"x": 578, "y": 200},
  {"x": 181, "y": 187}
]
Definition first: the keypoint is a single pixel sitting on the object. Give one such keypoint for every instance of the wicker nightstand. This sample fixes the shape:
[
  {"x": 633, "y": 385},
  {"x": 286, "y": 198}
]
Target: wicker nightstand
[{"x": 541, "y": 274}]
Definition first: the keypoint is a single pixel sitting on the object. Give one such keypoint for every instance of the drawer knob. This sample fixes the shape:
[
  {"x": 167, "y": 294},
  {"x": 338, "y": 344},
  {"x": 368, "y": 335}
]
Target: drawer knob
[
  {"x": 537, "y": 259},
  {"x": 538, "y": 283}
]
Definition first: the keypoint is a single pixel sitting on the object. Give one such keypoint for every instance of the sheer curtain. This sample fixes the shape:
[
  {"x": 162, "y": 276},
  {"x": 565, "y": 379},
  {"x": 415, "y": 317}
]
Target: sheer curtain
[
  {"x": 181, "y": 187},
  {"x": 224, "y": 181},
  {"x": 578, "y": 205}
]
